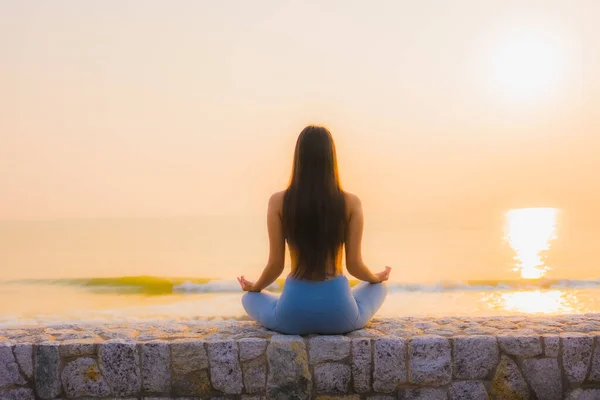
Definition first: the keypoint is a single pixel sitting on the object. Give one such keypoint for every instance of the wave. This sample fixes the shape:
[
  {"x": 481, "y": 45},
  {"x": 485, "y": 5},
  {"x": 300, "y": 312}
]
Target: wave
[
  {"x": 495, "y": 285},
  {"x": 153, "y": 285},
  {"x": 216, "y": 286},
  {"x": 149, "y": 285},
  {"x": 232, "y": 286}
]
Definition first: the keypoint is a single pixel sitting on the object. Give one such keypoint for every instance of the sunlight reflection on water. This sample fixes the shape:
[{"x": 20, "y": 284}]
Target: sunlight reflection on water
[
  {"x": 529, "y": 232},
  {"x": 535, "y": 302}
]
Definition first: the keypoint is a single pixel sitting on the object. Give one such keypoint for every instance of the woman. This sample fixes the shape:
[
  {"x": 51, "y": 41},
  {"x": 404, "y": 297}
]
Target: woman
[{"x": 317, "y": 219}]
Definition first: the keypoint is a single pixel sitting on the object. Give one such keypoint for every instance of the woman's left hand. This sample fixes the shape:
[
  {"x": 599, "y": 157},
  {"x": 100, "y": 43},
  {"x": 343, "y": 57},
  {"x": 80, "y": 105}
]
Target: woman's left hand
[{"x": 246, "y": 285}]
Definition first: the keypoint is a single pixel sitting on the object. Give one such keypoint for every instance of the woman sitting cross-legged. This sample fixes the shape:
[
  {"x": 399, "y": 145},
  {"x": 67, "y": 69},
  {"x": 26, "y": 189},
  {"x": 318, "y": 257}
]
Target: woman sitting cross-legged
[{"x": 318, "y": 220}]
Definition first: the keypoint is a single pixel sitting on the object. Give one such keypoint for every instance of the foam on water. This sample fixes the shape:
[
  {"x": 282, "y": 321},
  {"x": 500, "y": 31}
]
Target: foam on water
[{"x": 216, "y": 286}]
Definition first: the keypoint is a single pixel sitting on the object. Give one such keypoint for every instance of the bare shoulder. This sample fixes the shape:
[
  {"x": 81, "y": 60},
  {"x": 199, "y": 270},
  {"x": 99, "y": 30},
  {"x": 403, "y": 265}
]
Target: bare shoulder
[
  {"x": 276, "y": 200},
  {"x": 353, "y": 202}
]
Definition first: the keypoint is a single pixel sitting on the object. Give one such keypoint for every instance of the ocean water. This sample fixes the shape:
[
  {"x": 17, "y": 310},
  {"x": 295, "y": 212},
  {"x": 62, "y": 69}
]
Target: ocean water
[
  {"x": 530, "y": 261},
  {"x": 32, "y": 302}
]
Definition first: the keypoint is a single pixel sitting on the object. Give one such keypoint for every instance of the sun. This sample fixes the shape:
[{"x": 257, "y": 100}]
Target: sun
[{"x": 525, "y": 63}]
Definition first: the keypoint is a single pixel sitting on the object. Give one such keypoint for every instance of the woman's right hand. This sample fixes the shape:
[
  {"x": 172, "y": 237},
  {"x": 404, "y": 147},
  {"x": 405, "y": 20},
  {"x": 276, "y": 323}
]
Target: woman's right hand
[
  {"x": 384, "y": 275},
  {"x": 246, "y": 285}
]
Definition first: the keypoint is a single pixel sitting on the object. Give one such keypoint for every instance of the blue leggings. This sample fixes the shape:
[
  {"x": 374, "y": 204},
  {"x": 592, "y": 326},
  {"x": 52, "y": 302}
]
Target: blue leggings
[{"x": 305, "y": 307}]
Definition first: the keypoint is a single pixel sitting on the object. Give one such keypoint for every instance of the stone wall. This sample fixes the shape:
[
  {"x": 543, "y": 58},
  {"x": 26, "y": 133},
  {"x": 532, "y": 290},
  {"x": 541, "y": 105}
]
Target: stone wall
[{"x": 451, "y": 358}]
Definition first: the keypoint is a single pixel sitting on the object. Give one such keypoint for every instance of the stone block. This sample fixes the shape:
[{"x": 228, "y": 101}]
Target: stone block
[
  {"x": 429, "y": 360},
  {"x": 289, "y": 376},
  {"x": 9, "y": 369},
  {"x": 156, "y": 370},
  {"x": 381, "y": 397},
  {"x": 251, "y": 348},
  {"x": 328, "y": 348},
  {"x": 17, "y": 394},
  {"x": 225, "y": 370},
  {"x": 189, "y": 362},
  {"x": 583, "y": 394},
  {"x": 187, "y": 356},
  {"x": 82, "y": 377},
  {"x": 120, "y": 365},
  {"x": 595, "y": 367},
  {"x": 47, "y": 370},
  {"x": 24, "y": 356},
  {"x": 332, "y": 377},
  {"x": 361, "y": 365},
  {"x": 468, "y": 390},
  {"x": 78, "y": 348},
  {"x": 551, "y": 345},
  {"x": 389, "y": 364},
  {"x": 544, "y": 377},
  {"x": 521, "y": 346},
  {"x": 475, "y": 357},
  {"x": 255, "y": 374},
  {"x": 120, "y": 333},
  {"x": 508, "y": 382},
  {"x": 423, "y": 394},
  {"x": 576, "y": 356}
]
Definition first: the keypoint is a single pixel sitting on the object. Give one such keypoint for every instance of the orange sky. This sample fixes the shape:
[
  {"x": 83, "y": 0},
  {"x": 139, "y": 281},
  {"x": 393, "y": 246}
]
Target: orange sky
[{"x": 158, "y": 108}]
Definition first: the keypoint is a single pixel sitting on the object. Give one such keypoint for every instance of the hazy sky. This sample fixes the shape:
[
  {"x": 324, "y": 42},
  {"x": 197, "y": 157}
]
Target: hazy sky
[{"x": 161, "y": 108}]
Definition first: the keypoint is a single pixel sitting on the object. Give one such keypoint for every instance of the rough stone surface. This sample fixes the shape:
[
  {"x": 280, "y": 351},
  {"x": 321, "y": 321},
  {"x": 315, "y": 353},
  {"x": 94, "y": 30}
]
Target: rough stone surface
[
  {"x": 9, "y": 369},
  {"x": 507, "y": 356},
  {"x": 82, "y": 377},
  {"x": 389, "y": 364},
  {"x": 119, "y": 363},
  {"x": 430, "y": 360},
  {"x": 197, "y": 384},
  {"x": 123, "y": 333},
  {"x": 190, "y": 368},
  {"x": 251, "y": 348},
  {"x": 328, "y": 348},
  {"x": 520, "y": 346},
  {"x": 332, "y": 377},
  {"x": 584, "y": 394},
  {"x": 225, "y": 371},
  {"x": 288, "y": 368},
  {"x": 47, "y": 370},
  {"x": 595, "y": 368},
  {"x": 255, "y": 374},
  {"x": 468, "y": 390},
  {"x": 543, "y": 374},
  {"x": 423, "y": 394},
  {"x": 156, "y": 371},
  {"x": 224, "y": 328},
  {"x": 17, "y": 394},
  {"x": 576, "y": 355},
  {"x": 475, "y": 357},
  {"x": 24, "y": 356},
  {"x": 551, "y": 345},
  {"x": 508, "y": 382},
  {"x": 78, "y": 348},
  {"x": 361, "y": 365}
]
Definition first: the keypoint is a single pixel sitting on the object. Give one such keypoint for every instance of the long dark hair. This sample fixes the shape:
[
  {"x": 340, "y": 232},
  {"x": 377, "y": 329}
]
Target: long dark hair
[{"x": 314, "y": 207}]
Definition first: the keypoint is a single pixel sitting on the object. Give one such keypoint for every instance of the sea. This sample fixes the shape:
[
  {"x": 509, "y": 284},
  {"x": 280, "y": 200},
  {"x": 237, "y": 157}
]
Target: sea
[{"x": 531, "y": 261}]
